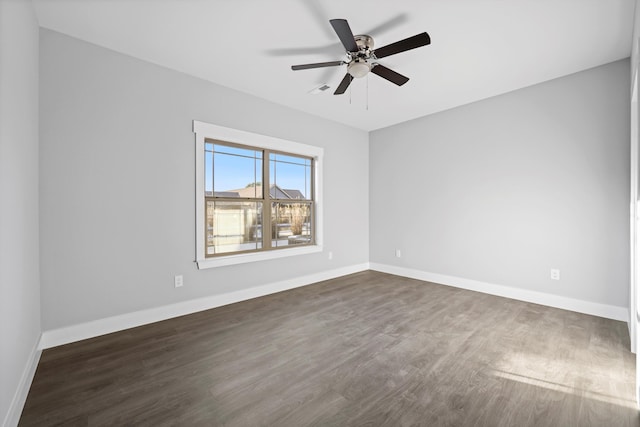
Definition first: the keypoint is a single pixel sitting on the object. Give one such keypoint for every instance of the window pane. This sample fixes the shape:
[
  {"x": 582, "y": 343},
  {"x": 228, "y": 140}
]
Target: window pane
[
  {"x": 233, "y": 226},
  {"x": 238, "y": 151},
  {"x": 291, "y": 224},
  {"x": 291, "y": 176},
  {"x": 237, "y": 172},
  {"x": 208, "y": 173},
  {"x": 288, "y": 158}
]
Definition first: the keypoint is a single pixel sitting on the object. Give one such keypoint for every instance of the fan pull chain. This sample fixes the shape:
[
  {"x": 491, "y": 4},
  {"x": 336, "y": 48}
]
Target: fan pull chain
[{"x": 367, "y": 91}]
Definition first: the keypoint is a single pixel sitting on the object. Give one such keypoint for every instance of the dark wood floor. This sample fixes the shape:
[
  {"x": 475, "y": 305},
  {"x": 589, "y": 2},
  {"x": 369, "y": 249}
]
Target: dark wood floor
[{"x": 366, "y": 349}]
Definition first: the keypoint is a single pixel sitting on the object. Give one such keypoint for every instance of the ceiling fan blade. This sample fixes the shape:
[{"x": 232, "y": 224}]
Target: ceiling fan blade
[
  {"x": 344, "y": 84},
  {"x": 418, "y": 40},
  {"x": 342, "y": 29},
  {"x": 329, "y": 49},
  {"x": 389, "y": 74},
  {"x": 389, "y": 24},
  {"x": 316, "y": 65}
]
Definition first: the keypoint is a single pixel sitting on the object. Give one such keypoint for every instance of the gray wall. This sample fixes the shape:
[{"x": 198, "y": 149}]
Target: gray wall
[
  {"x": 117, "y": 183},
  {"x": 19, "y": 277},
  {"x": 503, "y": 190}
]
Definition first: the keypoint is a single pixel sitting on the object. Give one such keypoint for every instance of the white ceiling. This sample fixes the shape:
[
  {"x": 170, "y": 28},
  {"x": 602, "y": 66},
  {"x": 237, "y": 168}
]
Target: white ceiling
[{"x": 479, "y": 48}]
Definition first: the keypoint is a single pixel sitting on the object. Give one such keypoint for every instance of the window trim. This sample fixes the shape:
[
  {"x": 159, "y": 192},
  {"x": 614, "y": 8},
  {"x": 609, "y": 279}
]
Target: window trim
[{"x": 204, "y": 131}]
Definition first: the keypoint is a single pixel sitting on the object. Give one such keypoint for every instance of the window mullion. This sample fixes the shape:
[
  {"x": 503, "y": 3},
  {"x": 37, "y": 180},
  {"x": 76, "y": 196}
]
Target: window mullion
[{"x": 266, "y": 205}]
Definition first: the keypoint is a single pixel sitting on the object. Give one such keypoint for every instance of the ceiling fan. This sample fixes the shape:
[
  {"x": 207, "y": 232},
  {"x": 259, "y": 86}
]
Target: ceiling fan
[{"x": 362, "y": 58}]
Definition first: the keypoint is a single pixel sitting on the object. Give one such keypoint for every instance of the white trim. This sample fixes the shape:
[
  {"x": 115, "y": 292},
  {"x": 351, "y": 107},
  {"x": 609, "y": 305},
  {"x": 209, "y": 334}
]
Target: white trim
[
  {"x": 108, "y": 325},
  {"x": 206, "y": 130},
  {"x": 633, "y": 217},
  {"x": 256, "y": 256},
  {"x": 565, "y": 303},
  {"x": 634, "y": 227},
  {"x": 20, "y": 397}
]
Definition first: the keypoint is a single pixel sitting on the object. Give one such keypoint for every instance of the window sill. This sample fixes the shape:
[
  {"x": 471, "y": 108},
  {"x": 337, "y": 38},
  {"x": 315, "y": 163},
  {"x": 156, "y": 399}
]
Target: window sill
[{"x": 255, "y": 256}]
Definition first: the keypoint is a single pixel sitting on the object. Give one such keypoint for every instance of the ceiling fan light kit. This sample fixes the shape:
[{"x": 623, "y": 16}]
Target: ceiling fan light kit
[
  {"x": 358, "y": 69},
  {"x": 362, "y": 58}
]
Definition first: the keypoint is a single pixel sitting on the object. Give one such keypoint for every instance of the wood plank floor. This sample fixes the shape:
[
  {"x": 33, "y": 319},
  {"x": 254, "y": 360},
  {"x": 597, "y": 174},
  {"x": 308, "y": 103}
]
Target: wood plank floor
[{"x": 368, "y": 349}]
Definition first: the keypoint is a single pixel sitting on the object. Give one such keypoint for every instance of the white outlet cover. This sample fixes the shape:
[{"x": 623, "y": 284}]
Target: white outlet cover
[{"x": 177, "y": 281}]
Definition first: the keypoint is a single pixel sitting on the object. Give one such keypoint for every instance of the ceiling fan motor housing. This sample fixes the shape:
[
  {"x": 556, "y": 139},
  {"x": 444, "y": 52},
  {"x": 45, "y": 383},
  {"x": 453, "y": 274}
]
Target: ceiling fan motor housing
[
  {"x": 364, "y": 41},
  {"x": 359, "y": 65}
]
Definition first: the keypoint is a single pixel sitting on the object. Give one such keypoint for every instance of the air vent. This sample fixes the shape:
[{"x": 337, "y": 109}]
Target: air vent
[{"x": 319, "y": 89}]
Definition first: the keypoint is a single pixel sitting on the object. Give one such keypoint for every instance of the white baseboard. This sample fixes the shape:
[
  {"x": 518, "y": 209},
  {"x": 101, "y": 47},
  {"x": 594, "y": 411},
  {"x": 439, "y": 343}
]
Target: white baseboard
[
  {"x": 108, "y": 325},
  {"x": 20, "y": 397},
  {"x": 565, "y": 303}
]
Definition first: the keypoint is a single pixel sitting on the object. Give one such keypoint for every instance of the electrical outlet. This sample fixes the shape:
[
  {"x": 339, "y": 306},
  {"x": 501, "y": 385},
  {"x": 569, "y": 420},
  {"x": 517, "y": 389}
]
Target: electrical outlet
[
  {"x": 398, "y": 253},
  {"x": 330, "y": 255},
  {"x": 177, "y": 281},
  {"x": 555, "y": 274}
]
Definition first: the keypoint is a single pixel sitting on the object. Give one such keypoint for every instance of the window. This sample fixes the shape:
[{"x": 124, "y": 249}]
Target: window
[
  {"x": 246, "y": 196},
  {"x": 257, "y": 197}
]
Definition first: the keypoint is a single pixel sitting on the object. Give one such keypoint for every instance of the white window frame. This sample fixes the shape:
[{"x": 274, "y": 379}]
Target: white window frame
[{"x": 209, "y": 131}]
